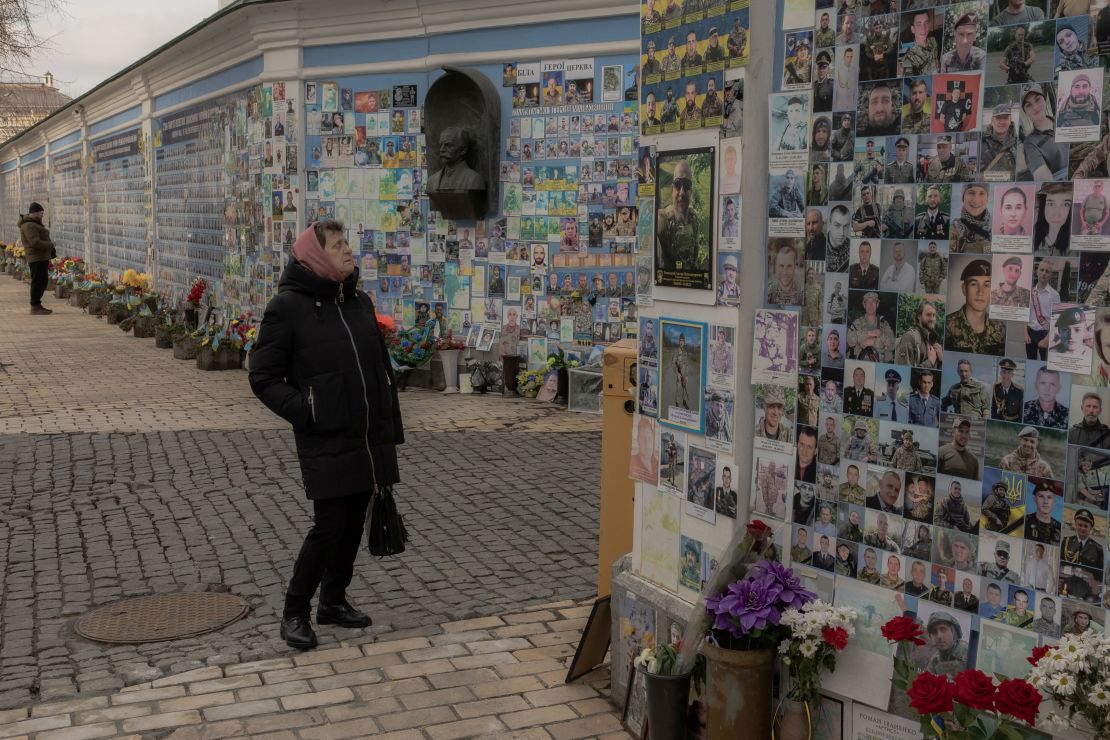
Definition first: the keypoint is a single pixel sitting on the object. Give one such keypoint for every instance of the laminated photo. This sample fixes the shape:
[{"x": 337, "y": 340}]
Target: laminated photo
[
  {"x": 684, "y": 219},
  {"x": 775, "y": 347},
  {"x": 1090, "y": 215},
  {"x": 775, "y": 412},
  {"x": 1003, "y": 649},
  {"x": 786, "y": 203},
  {"x": 865, "y": 667},
  {"x": 672, "y": 461},
  {"x": 1013, "y": 218},
  {"x": 1069, "y": 348},
  {"x": 722, "y": 354},
  {"x": 1012, "y": 275},
  {"x": 719, "y": 410},
  {"x": 1079, "y": 110},
  {"x": 729, "y": 238},
  {"x": 689, "y": 563},
  {"x": 644, "y": 462},
  {"x": 682, "y": 373},
  {"x": 789, "y": 129},
  {"x": 772, "y": 478},
  {"x": 700, "y": 478}
]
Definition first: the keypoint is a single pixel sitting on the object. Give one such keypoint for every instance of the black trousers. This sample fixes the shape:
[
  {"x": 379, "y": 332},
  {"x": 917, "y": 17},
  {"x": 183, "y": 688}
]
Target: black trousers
[
  {"x": 39, "y": 278},
  {"x": 327, "y": 557},
  {"x": 1032, "y": 351}
]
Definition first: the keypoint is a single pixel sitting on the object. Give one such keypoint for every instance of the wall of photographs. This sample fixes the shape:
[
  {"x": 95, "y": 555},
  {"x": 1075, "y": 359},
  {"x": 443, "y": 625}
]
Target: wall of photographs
[
  {"x": 9, "y": 216},
  {"x": 226, "y": 171},
  {"x": 119, "y": 202},
  {"x": 567, "y": 195},
  {"x": 930, "y": 366},
  {"x": 68, "y": 200},
  {"x": 36, "y": 184}
]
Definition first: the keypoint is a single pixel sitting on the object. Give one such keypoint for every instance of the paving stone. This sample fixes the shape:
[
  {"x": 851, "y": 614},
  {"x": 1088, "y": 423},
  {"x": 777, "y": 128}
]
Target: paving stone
[
  {"x": 416, "y": 718},
  {"x": 85, "y": 732},
  {"x": 241, "y": 709},
  {"x": 38, "y": 724},
  {"x": 559, "y": 695},
  {"x": 585, "y": 727},
  {"x": 540, "y": 716},
  {"x": 441, "y": 697},
  {"x": 464, "y": 728},
  {"x": 161, "y": 721},
  {"x": 66, "y": 707},
  {"x": 317, "y": 699}
]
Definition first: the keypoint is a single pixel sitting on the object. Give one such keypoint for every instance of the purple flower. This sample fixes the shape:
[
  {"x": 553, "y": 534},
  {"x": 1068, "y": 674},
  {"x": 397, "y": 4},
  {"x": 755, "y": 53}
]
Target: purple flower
[
  {"x": 793, "y": 595},
  {"x": 750, "y": 604}
]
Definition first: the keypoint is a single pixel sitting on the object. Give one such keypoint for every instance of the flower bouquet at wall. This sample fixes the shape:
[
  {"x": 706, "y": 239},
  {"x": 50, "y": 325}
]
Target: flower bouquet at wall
[
  {"x": 164, "y": 324},
  {"x": 192, "y": 302},
  {"x": 99, "y": 293},
  {"x": 20, "y": 256},
  {"x": 219, "y": 346},
  {"x": 969, "y": 707},
  {"x": 69, "y": 270},
  {"x": 412, "y": 348},
  {"x": 557, "y": 363},
  {"x": 5, "y": 256},
  {"x": 1075, "y": 675},
  {"x": 529, "y": 382},
  {"x": 818, "y": 632}
]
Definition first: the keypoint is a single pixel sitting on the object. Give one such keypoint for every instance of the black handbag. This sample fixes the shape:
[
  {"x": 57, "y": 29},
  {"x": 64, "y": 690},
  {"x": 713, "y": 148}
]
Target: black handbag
[{"x": 386, "y": 533}]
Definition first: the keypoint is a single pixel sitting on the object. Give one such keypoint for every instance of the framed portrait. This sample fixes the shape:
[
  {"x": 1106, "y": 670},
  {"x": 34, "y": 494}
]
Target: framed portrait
[
  {"x": 682, "y": 373},
  {"x": 684, "y": 206},
  {"x": 634, "y": 716}
]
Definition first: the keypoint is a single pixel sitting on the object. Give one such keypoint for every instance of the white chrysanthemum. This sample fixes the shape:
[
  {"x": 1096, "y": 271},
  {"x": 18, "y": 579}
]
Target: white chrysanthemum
[
  {"x": 1054, "y": 721},
  {"x": 1099, "y": 696},
  {"x": 1063, "y": 684},
  {"x": 808, "y": 649},
  {"x": 784, "y": 647}
]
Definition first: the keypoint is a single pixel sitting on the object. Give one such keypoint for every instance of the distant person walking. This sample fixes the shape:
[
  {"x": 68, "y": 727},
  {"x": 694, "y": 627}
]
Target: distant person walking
[
  {"x": 321, "y": 364},
  {"x": 40, "y": 250}
]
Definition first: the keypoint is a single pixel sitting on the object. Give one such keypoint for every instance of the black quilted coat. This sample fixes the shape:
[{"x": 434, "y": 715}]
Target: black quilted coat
[{"x": 321, "y": 364}]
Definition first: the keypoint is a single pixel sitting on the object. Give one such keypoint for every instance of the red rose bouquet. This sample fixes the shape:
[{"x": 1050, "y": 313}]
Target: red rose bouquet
[{"x": 971, "y": 706}]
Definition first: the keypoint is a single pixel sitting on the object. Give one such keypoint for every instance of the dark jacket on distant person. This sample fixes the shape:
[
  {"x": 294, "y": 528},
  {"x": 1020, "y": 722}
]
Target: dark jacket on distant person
[{"x": 36, "y": 240}]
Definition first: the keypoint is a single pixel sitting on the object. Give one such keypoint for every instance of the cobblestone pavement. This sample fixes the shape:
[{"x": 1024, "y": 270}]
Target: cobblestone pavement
[
  {"x": 492, "y": 677},
  {"x": 125, "y": 472}
]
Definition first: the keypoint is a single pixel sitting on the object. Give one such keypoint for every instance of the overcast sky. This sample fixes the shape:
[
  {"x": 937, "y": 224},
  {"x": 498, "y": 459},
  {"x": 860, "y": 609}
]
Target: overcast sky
[{"x": 94, "y": 39}]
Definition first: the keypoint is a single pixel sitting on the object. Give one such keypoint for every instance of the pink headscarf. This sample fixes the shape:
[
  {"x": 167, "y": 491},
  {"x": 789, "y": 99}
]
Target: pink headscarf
[{"x": 309, "y": 252}]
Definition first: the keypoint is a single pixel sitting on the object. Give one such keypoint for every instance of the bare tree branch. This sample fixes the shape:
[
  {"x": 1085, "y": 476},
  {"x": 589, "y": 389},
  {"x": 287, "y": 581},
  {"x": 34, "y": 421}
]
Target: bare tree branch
[{"x": 20, "y": 40}]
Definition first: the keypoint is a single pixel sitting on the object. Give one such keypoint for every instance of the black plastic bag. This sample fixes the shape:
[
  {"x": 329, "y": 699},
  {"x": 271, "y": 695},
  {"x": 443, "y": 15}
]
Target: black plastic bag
[{"x": 386, "y": 533}]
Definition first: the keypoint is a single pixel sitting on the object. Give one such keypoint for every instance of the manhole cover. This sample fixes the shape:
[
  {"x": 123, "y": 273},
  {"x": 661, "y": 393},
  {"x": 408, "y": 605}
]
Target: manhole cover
[{"x": 161, "y": 617}]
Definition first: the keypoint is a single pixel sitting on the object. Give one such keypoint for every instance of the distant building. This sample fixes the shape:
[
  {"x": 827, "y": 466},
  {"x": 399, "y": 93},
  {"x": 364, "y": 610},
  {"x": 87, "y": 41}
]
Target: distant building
[{"x": 23, "y": 104}]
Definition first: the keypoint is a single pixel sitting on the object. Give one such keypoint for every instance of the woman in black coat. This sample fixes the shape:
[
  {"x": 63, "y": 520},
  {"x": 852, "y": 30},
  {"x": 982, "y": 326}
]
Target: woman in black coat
[{"x": 321, "y": 364}]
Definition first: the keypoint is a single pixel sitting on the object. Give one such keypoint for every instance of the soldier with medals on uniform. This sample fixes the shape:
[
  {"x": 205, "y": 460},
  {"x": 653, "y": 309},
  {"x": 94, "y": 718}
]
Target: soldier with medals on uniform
[
  {"x": 1040, "y": 525},
  {"x": 1006, "y": 399},
  {"x": 1017, "y": 58},
  {"x": 920, "y": 345},
  {"x": 969, "y": 329},
  {"x": 677, "y": 230},
  {"x": 999, "y": 570},
  {"x": 900, "y": 171},
  {"x": 969, "y": 396},
  {"x": 1026, "y": 459},
  {"x": 857, "y": 399},
  {"x": 932, "y": 223},
  {"x": 949, "y": 651},
  {"x": 999, "y": 146},
  {"x": 771, "y": 425},
  {"x": 933, "y": 270},
  {"x": 954, "y": 458},
  {"x": 870, "y": 337},
  {"x": 1080, "y": 548},
  {"x": 1090, "y": 431},
  {"x": 923, "y": 57},
  {"x": 1044, "y": 410},
  {"x": 946, "y": 166},
  {"x": 996, "y": 508}
]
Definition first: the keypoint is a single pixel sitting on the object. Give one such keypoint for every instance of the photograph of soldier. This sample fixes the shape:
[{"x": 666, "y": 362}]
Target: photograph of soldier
[
  {"x": 933, "y": 272},
  {"x": 945, "y": 651},
  {"x": 858, "y": 397},
  {"x": 850, "y": 523},
  {"x": 933, "y": 203},
  {"x": 879, "y": 47},
  {"x": 996, "y": 552},
  {"x": 998, "y": 511},
  {"x": 963, "y": 44},
  {"x": 1091, "y": 216},
  {"x": 1071, "y": 45},
  {"x": 992, "y": 602},
  {"x": 998, "y": 150},
  {"x": 922, "y": 55},
  {"x": 797, "y": 66},
  {"x": 1045, "y": 501},
  {"x": 917, "y": 542},
  {"x": 672, "y": 460},
  {"x": 918, "y": 584},
  {"x": 841, "y": 147},
  {"x": 870, "y": 330},
  {"x": 1044, "y": 407},
  {"x": 898, "y": 219},
  {"x": 869, "y": 162},
  {"x": 919, "y": 342},
  {"x": 824, "y": 87},
  {"x": 966, "y": 598},
  {"x": 1092, "y": 478},
  {"x": 862, "y": 273},
  {"x": 830, "y": 393},
  {"x": 808, "y": 401},
  {"x": 682, "y": 373},
  {"x": 1018, "y": 612},
  {"x": 879, "y": 108},
  {"x": 887, "y": 496},
  {"x": 1078, "y": 114},
  {"x": 971, "y": 229},
  {"x": 1052, "y": 223},
  {"x": 891, "y": 404},
  {"x": 1006, "y": 395},
  {"x": 967, "y": 325},
  {"x": 1045, "y": 158},
  {"x": 774, "y": 423},
  {"x": 789, "y": 123},
  {"x": 1047, "y": 622},
  {"x": 1089, "y": 428},
  {"x": 684, "y": 212},
  {"x": 943, "y": 582},
  {"x": 836, "y": 305},
  {"x": 1011, "y": 57},
  {"x": 942, "y": 161},
  {"x": 1078, "y": 617},
  {"x": 869, "y": 573},
  {"x": 770, "y": 478},
  {"x": 799, "y": 551},
  {"x": 917, "y": 110},
  {"x": 919, "y": 497},
  {"x": 860, "y": 442},
  {"x": 867, "y": 219},
  {"x": 967, "y": 395},
  {"x": 1026, "y": 456},
  {"x": 923, "y": 404},
  {"x": 899, "y": 171},
  {"x": 882, "y": 530},
  {"x": 699, "y": 485},
  {"x": 1069, "y": 349},
  {"x": 825, "y": 35},
  {"x": 786, "y": 200},
  {"x": 783, "y": 258},
  {"x": 957, "y": 455},
  {"x": 724, "y": 495}
]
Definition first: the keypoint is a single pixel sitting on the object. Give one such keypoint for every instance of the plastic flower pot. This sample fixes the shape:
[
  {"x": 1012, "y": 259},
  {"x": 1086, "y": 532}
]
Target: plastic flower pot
[
  {"x": 668, "y": 698},
  {"x": 449, "y": 358}
]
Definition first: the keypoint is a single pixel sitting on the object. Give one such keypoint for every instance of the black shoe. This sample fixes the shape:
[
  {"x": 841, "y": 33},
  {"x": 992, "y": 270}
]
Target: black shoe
[
  {"x": 297, "y": 632},
  {"x": 342, "y": 614}
]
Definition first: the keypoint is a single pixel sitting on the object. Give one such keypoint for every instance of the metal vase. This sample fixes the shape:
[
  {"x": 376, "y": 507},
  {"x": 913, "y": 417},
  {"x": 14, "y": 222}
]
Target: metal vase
[
  {"x": 738, "y": 692},
  {"x": 668, "y": 698}
]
